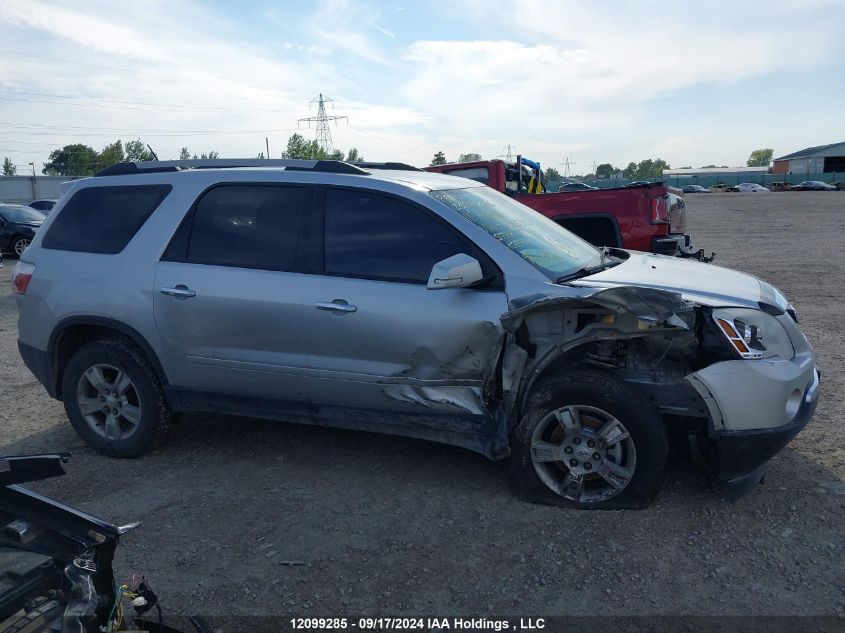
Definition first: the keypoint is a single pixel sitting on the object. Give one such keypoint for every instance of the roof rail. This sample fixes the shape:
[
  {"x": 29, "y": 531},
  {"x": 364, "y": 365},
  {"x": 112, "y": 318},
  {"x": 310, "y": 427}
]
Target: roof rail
[
  {"x": 388, "y": 165},
  {"x": 154, "y": 166}
]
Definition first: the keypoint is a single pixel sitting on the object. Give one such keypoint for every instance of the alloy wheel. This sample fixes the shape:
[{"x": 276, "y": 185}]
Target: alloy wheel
[
  {"x": 109, "y": 401},
  {"x": 21, "y": 245},
  {"x": 583, "y": 454}
]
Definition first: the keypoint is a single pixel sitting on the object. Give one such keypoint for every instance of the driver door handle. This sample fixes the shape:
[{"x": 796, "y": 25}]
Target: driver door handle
[
  {"x": 338, "y": 305},
  {"x": 180, "y": 292}
]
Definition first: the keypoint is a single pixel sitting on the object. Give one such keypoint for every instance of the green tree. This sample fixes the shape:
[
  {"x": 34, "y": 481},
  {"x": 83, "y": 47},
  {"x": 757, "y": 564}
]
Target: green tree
[
  {"x": 760, "y": 158},
  {"x": 9, "y": 168},
  {"x": 299, "y": 148},
  {"x": 708, "y": 167},
  {"x": 468, "y": 158},
  {"x": 137, "y": 151},
  {"x": 646, "y": 168},
  {"x": 352, "y": 156},
  {"x": 184, "y": 154},
  {"x": 75, "y": 159},
  {"x": 439, "y": 159},
  {"x": 605, "y": 170},
  {"x": 335, "y": 155},
  {"x": 550, "y": 173},
  {"x": 261, "y": 155},
  {"x": 110, "y": 155}
]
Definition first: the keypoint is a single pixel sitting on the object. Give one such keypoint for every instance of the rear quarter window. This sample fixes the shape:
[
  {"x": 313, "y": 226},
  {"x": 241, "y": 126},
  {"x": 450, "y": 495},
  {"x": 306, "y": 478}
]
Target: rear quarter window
[{"x": 103, "y": 219}]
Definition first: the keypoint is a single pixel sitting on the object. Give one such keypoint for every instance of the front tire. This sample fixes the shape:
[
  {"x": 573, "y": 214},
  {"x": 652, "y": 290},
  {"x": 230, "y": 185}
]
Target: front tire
[
  {"x": 114, "y": 400},
  {"x": 588, "y": 441},
  {"x": 19, "y": 245}
]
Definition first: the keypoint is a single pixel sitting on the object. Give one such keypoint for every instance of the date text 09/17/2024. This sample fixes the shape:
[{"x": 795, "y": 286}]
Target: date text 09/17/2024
[{"x": 418, "y": 624}]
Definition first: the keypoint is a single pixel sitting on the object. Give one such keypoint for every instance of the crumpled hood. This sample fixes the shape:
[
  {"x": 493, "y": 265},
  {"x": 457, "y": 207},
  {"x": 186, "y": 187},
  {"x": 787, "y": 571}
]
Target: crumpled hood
[{"x": 705, "y": 284}]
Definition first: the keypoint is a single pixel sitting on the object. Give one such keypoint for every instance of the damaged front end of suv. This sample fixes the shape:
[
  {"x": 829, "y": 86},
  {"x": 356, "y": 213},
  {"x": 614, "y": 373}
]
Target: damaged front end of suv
[{"x": 735, "y": 382}]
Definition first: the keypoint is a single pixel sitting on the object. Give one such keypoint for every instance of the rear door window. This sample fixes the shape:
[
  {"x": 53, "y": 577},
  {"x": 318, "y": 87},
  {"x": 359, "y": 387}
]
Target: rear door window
[
  {"x": 249, "y": 226},
  {"x": 103, "y": 219}
]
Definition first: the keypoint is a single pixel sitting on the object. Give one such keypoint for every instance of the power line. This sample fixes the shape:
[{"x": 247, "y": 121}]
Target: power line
[
  {"x": 58, "y": 129},
  {"x": 324, "y": 133},
  {"x": 121, "y": 103}
]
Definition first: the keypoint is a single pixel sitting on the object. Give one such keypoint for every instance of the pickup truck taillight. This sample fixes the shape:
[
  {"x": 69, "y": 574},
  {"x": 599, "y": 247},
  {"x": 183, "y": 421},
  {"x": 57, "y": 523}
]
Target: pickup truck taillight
[
  {"x": 678, "y": 216},
  {"x": 21, "y": 276},
  {"x": 660, "y": 210}
]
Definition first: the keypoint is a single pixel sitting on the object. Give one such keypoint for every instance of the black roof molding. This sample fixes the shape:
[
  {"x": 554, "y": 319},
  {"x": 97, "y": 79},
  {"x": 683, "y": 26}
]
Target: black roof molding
[{"x": 158, "y": 166}]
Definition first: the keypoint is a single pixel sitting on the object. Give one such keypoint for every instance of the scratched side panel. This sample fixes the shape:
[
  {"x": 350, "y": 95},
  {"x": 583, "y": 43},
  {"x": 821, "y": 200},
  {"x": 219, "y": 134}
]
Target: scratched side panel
[{"x": 405, "y": 348}]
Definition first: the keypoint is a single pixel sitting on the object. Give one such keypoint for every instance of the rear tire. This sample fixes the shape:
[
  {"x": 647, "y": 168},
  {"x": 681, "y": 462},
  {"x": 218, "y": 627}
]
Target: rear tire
[
  {"x": 114, "y": 400},
  {"x": 588, "y": 441}
]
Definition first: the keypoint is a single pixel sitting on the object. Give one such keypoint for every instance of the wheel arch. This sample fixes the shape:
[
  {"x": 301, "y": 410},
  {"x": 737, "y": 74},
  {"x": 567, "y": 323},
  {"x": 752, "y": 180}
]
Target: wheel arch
[
  {"x": 73, "y": 332},
  {"x": 585, "y": 225},
  {"x": 555, "y": 360}
]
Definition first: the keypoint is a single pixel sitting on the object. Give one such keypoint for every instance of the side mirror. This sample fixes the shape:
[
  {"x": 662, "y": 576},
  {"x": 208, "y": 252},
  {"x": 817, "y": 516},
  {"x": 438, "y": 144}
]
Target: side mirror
[{"x": 458, "y": 271}]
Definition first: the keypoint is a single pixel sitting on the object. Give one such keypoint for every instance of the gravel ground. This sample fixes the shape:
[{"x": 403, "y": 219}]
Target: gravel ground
[{"x": 257, "y": 517}]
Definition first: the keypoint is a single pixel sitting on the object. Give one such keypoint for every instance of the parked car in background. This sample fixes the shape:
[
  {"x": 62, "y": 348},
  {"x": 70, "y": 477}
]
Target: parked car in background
[
  {"x": 575, "y": 186},
  {"x": 694, "y": 189},
  {"x": 45, "y": 205},
  {"x": 780, "y": 186},
  {"x": 18, "y": 225},
  {"x": 814, "y": 185},
  {"x": 722, "y": 188},
  {"x": 751, "y": 187},
  {"x": 418, "y": 304}
]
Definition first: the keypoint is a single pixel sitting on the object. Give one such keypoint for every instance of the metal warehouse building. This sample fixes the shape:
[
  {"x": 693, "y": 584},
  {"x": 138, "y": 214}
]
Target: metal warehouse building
[{"x": 813, "y": 160}]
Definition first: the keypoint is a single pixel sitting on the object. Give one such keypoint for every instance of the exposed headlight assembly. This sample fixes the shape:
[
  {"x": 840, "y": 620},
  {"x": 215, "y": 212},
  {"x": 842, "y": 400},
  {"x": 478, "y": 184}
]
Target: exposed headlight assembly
[{"x": 754, "y": 334}]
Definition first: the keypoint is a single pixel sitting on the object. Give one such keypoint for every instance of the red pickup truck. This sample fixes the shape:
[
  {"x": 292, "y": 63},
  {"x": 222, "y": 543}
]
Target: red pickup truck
[{"x": 641, "y": 217}]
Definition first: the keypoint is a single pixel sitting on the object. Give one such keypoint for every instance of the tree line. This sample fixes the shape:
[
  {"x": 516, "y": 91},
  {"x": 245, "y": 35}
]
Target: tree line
[{"x": 78, "y": 159}]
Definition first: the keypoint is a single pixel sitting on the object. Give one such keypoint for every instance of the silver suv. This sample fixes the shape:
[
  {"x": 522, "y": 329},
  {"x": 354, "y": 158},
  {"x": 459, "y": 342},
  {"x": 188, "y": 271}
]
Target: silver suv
[{"x": 383, "y": 298}]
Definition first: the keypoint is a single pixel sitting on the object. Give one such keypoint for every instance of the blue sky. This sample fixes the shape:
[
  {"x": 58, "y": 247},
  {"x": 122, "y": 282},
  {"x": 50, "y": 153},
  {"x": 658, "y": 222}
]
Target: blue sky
[{"x": 693, "y": 83}]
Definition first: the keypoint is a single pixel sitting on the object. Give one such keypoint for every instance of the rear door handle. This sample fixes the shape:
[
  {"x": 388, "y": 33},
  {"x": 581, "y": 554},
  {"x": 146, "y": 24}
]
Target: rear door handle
[
  {"x": 338, "y": 305},
  {"x": 180, "y": 292}
]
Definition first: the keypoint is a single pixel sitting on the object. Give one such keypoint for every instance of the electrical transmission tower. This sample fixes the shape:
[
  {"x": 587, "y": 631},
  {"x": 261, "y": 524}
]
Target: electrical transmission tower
[
  {"x": 567, "y": 165},
  {"x": 324, "y": 133},
  {"x": 507, "y": 153}
]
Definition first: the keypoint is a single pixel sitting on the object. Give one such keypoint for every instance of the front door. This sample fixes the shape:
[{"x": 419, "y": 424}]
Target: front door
[{"x": 377, "y": 337}]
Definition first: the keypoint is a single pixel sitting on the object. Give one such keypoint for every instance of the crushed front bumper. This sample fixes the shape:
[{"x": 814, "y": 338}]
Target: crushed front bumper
[
  {"x": 743, "y": 456},
  {"x": 737, "y": 459}
]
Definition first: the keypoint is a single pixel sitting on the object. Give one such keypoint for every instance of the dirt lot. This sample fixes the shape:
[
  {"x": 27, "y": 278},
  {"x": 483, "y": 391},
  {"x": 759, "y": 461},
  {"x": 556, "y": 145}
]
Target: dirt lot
[{"x": 258, "y": 517}]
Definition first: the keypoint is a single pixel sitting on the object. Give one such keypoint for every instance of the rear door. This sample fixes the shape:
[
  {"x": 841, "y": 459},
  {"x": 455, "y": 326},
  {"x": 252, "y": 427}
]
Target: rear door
[
  {"x": 228, "y": 298},
  {"x": 377, "y": 337}
]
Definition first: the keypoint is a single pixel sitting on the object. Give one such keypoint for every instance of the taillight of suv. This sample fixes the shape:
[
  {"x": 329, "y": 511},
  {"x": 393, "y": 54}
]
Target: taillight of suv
[{"x": 21, "y": 276}]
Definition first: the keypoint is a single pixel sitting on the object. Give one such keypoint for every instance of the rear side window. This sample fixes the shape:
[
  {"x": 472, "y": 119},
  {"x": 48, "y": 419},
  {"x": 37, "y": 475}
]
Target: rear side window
[
  {"x": 479, "y": 174},
  {"x": 379, "y": 237},
  {"x": 103, "y": 219},
  {"x": 249, "y": 226}
]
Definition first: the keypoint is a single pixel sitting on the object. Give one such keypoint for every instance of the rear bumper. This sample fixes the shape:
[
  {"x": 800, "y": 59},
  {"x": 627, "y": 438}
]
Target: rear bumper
[
  {"x": 670, "y": 244},
  {"x": 38, "y": 362},
  {"x": 679, "y": 245}
]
